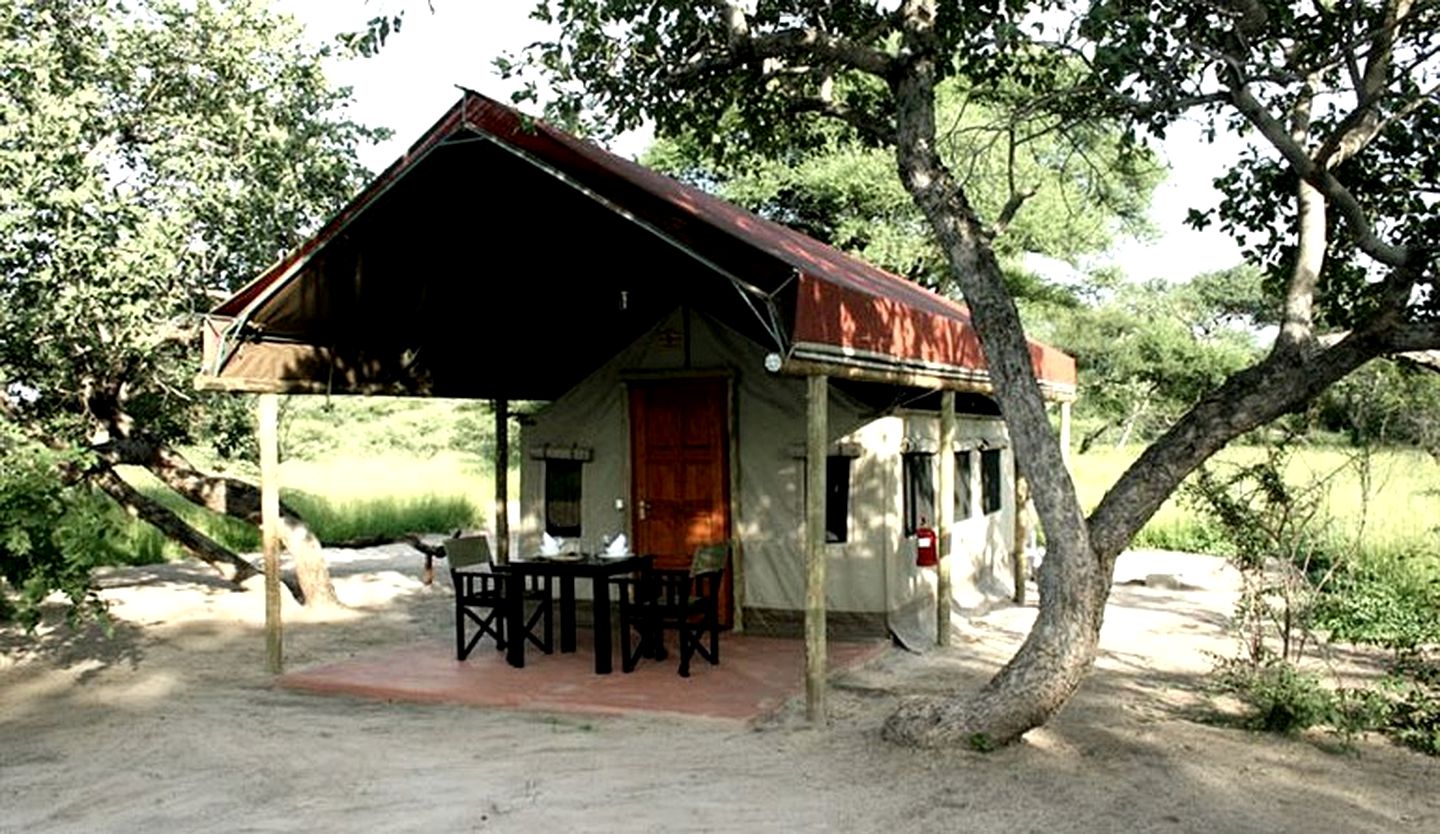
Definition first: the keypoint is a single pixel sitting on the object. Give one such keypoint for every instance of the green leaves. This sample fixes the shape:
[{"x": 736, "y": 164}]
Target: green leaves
[
  {"x": 151, "y": 155},
  {"x": 50, "y": 534},
  {"x": 1348, "y": 87},
  {"x": 842, "y": 190},
  {"x": 371, "y": 39},
  {"x": 1148, "y": 351}
]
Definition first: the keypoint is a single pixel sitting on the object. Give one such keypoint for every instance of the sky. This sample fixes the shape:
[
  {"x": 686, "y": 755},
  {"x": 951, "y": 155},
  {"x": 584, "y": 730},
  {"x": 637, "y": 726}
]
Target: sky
[{"x": 412, "y": 82}]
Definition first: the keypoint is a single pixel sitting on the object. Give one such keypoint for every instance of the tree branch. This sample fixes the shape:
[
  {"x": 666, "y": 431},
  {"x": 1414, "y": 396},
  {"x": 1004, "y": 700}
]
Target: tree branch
[
  {"x": 1247, "y": 400},
  {"x": 1010, "y": 209},
  {"x": 1126, "y": 106},
  {"x": 1413, "y": 337},
  {"x": 1363, "y": 123},
  {"x": 1297, "y": 317},
  {"x": 103, "y": 475},
  {"x": 1350, "y": 136},
  {"x": 872, "y": 129},
  {"x": 744, "y": 48},
  {"x": 1324, "y": 182},
  {"x": 168, "y": 522}
]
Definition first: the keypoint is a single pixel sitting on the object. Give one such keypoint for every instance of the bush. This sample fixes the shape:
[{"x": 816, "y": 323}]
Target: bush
[
  {"x": 1279, "y": 539},
  {"x": 1190, "y": 534},
  {"x": 1415, "y": 719},
  {"x": 1282, "y": 698},
  {"x": 1414, "y": 712},
  {"x": 1405, "y": 706},
  {"x": 1386, "y": 599},
  {"x": 51, "y": 535}
]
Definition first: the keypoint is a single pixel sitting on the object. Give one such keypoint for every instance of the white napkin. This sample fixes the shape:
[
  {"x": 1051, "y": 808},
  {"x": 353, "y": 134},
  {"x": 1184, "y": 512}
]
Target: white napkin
[
  {"x": 617, "y": 546},
  {"x": 550, "y": 546}
]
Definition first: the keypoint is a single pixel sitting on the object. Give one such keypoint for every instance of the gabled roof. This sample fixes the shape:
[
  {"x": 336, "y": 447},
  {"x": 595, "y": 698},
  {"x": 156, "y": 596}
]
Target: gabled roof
[{"x": 495, "y": 229}]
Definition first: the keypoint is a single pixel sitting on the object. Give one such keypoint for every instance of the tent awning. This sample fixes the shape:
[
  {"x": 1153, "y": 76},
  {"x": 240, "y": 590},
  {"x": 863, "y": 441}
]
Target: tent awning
[{"x": 502, "y": 257}]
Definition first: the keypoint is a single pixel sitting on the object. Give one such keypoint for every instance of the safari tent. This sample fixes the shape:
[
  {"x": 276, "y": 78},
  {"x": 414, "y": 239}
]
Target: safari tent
[{"x": 697, "y": 366}]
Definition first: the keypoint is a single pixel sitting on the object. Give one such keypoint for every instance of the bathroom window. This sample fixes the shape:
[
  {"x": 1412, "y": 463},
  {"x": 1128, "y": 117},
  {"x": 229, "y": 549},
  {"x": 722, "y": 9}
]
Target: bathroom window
[
  {"x": 918, "y": 474},
  {"x": 990, "y": 481},
  {"x": 562, "y": 498},
  {"x": 837, "y": 499}
]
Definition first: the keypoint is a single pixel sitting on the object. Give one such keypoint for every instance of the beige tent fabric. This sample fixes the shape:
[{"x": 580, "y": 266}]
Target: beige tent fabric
[{"x": 873, "y": 572}]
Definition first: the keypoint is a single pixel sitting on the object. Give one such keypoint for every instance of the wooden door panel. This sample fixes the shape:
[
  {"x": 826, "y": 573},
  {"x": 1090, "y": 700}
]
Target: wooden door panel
[{"x": 680, "y": 472}]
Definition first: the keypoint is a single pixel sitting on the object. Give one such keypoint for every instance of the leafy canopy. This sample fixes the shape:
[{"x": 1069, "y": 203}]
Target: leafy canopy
[
  {"x": 153, "y": 154},
  {"x": 1081, "y": 184},
  {"x": 1347, "y": 87}
]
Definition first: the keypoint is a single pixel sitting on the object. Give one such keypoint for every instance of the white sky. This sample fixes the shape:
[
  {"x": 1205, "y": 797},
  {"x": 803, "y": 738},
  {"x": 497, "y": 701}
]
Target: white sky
[{"x": 411, "y": 83}]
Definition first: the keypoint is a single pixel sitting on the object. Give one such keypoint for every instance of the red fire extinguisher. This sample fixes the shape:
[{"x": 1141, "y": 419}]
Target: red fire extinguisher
[{"x": 926, "y": 547}]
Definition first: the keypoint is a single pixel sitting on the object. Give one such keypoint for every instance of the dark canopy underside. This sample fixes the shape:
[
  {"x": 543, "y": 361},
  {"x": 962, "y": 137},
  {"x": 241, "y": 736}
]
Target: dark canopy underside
[{"x": 505, "y": 259}]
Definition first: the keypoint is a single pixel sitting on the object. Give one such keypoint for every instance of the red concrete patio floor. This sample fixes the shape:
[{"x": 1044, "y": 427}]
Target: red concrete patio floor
[{"x": 756, "y": 676}]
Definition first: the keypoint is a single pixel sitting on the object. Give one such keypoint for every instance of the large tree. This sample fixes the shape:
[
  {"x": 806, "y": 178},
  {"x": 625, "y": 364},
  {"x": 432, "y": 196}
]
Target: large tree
[
  {"x": 1340, "y": 203},
  {"x": 153, "y": 155}
]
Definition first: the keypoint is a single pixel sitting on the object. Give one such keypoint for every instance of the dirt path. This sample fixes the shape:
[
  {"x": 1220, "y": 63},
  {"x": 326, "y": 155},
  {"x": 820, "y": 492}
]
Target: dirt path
[{"x": 173, "y": 726}]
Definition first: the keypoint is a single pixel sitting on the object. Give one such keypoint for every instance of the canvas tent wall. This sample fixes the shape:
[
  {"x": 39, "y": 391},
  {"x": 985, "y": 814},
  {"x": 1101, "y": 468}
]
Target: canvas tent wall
[{"x": 873, "y": 582}]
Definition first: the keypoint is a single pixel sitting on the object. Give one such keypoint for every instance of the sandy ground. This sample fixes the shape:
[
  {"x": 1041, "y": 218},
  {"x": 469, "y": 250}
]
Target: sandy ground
[{"x": 172, "y": 725}]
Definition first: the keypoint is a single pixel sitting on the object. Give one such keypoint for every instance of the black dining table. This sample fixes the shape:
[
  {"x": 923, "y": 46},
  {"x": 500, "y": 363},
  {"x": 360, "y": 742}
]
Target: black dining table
[{"x": 566, "y": 569}]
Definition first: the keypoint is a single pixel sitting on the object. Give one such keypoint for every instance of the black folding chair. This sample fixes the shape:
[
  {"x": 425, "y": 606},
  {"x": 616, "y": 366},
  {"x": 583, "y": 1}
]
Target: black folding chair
[
  {"x": 686, "y": 601},
  {"x": 480, "y": 599}
]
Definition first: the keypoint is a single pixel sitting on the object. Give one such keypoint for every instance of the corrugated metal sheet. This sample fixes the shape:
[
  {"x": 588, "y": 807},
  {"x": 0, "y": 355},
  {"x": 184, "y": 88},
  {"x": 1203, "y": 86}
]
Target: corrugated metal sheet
[{"x": 860, "y": 312}]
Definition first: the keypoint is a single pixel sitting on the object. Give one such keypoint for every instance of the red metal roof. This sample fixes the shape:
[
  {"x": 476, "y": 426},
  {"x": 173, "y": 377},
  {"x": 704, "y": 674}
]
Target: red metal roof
[{"x": 844, "y": 305}]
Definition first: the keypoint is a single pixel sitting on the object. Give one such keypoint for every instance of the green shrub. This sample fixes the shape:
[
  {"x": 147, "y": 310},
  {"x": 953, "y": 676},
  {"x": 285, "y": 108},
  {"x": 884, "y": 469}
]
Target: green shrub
[
  {"x": 1282, "y": 699},
  {"x": 1362, "y": 709},
  {"x": 1385, "y": 598},
  {"x": 51, "y": 535},
  {"x": 1405, "y": 706},
  {"x": 1189, "y": 533},
  {"x": 1415, "y": 719}
]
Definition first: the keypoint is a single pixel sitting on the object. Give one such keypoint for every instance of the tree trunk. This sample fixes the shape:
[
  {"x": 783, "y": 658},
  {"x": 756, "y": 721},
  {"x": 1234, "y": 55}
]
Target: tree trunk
[
  {"x": 237, "y": 499},
  {"x": 140, "y": 506},
  {"x": 1055, "y": 657},
  {"x": 1075, "y": 577},
  {"x": 1033, "y": 686},
  {"x": 1089, "y": 439},
  {"x": 311, "y": 571}
]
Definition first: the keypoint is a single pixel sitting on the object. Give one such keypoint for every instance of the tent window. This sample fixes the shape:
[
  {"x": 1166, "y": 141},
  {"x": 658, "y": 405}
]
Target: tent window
[
  {"x": 989, "y": 480},
  {"x": 837, "y": 499},
  {"x": 918, "y": 474},
  {"x": 962, "y": 485},
  {"x": 562, "y": 497}
]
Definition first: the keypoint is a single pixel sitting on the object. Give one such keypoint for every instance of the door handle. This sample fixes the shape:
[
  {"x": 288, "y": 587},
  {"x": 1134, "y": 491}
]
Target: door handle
[{"x": 643, "y": 508}]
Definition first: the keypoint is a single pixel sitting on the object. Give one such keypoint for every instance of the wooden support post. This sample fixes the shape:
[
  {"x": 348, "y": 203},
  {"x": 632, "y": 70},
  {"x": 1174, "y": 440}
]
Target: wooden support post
[
  {"x": 270, "y": 528},
  {"x": 945, "y": 517},
  {"x": 1065, "y": 433},
  {"x": 737, "y": 547},
  {"x": 1020, "y": 562},
  {"x": 502, "y": 481},
  {"x": 816, "y": 445}
]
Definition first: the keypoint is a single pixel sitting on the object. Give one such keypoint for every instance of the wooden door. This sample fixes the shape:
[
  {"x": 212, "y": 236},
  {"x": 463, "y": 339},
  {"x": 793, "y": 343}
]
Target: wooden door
[{"x": 680, "y": 484}]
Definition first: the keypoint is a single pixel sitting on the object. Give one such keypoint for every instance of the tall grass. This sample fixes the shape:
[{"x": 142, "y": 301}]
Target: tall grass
[
  {"x": 338, "y": 522},
  {"x": 1398, "y": 510},
  {"x": 354, "y": 468},
  {"x": 341, "y": 501}
]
